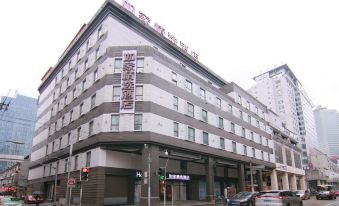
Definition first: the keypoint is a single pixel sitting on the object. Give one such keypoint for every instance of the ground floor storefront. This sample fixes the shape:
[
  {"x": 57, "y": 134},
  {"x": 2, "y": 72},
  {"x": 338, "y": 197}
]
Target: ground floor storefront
[{"x": 133, "y": 179}]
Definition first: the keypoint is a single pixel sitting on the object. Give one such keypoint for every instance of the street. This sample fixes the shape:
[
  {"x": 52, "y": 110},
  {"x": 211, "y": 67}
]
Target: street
[{"x": 314, "y": 202}]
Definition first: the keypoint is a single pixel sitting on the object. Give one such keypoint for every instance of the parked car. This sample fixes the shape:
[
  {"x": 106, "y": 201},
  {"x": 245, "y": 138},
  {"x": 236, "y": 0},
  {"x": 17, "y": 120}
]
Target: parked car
[
  {"x": 325, "y": 192},
  {"x": 304, "y": 194},
  {"x": 278, "y": 198},
  {"x": 243, "y": 199},
  {"x": 337, "y": 193},
  {"x": 34, "y": 199}
]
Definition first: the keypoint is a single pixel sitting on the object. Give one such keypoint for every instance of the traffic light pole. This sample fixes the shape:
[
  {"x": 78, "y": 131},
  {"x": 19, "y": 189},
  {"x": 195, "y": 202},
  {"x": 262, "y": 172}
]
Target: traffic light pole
[
  {"x": 165, "y": 188},
  {"x": 80, "y": 193},
  {"x": 149, "y": 179}
]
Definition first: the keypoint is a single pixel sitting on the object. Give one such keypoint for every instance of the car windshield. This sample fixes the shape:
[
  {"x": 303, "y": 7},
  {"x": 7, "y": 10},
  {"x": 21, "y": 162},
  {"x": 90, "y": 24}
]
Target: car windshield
[
  {"x": 269, "y": 194},
  {"x": 324, "y": 188},
  {"x": 300, "y": 192},
  {"x": 242, "y": 195}
]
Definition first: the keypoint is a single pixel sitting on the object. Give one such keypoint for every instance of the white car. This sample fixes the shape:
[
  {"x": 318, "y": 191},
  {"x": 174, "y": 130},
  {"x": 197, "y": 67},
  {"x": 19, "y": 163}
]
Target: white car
[{"x": 278, "y": 198}]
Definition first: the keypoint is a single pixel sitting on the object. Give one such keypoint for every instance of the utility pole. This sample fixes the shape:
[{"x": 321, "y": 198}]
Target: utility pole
[
  {"x": 149, "y": 179},
  {"x": 251, "y": 169},
  {"x": 69, "y": 164}
]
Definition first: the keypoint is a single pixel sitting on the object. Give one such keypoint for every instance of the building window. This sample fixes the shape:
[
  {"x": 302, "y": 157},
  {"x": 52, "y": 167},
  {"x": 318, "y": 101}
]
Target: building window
[
  {"x": 191, "y": 134},
  {"x": 253, "y": 152},
  {"x": 86, "y": 65},
  {"x": 174, "y": 78},
  {"x": 93, "y": 97},
  {"x": 44, "y": 170},
  {"x": 100, "y": 32},
  {"x": 139, "y": 93},
  {"x": 245, "y": 150},
  {"x": 267, "y": 142},
  {"x": 205, "y": 138},
  {"x": 204, "y": 115},
  {"x": 65, "y": 100},
  {"x": 78, "y": 56},
  {"x": 69, "y": 64},
  {"x": 234, "y": 147},
  {"x": 190, "y": 109},
  {"x": 60, "y": 142},
  {"x": 138, "y": 122},
  {"x": 95, "y": 75},
  {"x": 76, "y": 73},
  {"x": 258, "y": 123},
  {"x": 140, "y": 65},
  {"x": 222, "y": 143},
  {"x": 241, "y": 115},
  {"x": 83, "y": 85},
  {"x": 218, "y": 102},
  {"x": 221, "y": 123},
  {"x": 176, "y": 129},
  {"x": 256, "y": 110},
  {"x": 90, "y": 128},
  {"x": 65, "y": 165},
  {"x": 57, "y": 167},
  {"x": 97, "y": 53},
  {"x": 202, "y": 94},
  {"x": 248, "y": 105},
  {"x": 188, "y": 85},
  {"x": 239, "y": 99},
  {"x": 81, "y": 107},
  {"x": 260, "y": 139},
  {"x": 71, "y": 116},
  {"x": 73, "y": 93},
  {"x": 175, "y": 103},
  {"x": 115, "y": 119},
  {"x": 243, "y": 132},
  {"x": 262, "y": 156},
  {"x": 117, "y": 65},
  {"x": 116, "y": 93},
  {"x": 232, "y": 128},
  {"x": 50, "y": 169},
  {"x": 249, "y": 119},
  {"x": 252, "y": 136},
  {"x": 76, "y": 162},
  {"x": 68, "y": 139},
  {"x": 53, "y": 145},
  {"x": 67, "y": 82},
  {"x": 62, "y": 121},
  {"x": 78, "y": 134},
  {"x": 230, "y": 109},
  {"x": 88, "y": 159}
]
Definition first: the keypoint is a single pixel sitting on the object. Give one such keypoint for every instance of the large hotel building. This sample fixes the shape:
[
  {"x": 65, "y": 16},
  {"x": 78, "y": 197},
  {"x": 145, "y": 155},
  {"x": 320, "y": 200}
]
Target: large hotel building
[{"x": 125, "y": 99}]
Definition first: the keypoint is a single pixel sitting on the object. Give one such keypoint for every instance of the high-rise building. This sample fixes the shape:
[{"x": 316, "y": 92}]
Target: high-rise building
[
  {"x": 17, "y": 124},
  {"x": 282, "y": 92},
  {"x": 327, "y": 124},
  {"x": 126, "y": 99}
]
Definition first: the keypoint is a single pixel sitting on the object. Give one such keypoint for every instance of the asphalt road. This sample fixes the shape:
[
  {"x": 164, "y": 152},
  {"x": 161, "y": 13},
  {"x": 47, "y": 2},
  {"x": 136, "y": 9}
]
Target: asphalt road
[{"x": 315, "y": 202}]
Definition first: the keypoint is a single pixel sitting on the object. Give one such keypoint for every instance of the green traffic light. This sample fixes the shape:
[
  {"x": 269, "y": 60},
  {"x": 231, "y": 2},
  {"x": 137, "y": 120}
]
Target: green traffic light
[{"x": 161, "y": 177}]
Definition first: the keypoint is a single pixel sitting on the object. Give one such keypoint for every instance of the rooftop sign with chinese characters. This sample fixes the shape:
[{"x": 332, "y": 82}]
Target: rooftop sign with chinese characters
[
  {"x": 128, "y": 76},
  {"x": 161, "y": 30}
]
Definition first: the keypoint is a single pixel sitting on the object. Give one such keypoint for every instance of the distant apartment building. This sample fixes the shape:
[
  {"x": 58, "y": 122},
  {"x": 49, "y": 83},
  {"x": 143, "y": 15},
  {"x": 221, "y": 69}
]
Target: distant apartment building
[
  {"x": 282, "y": 92},
  {"x": 327, "y": 124},
  {"x": 17, "y": 124}
]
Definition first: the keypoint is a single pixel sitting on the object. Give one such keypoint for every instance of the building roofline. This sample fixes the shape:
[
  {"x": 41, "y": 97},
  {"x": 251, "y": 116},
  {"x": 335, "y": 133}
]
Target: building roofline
[{"x": 111, "y": 7}]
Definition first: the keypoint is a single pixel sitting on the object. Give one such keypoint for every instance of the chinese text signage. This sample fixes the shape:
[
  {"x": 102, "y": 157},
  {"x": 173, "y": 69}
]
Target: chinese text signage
[
  {"x": 178, "y": 177},
  {"x": 128, "y": 76}
]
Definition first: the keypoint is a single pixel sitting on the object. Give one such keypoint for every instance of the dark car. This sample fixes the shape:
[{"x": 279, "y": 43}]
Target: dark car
[{"x": 243, "y": 199}]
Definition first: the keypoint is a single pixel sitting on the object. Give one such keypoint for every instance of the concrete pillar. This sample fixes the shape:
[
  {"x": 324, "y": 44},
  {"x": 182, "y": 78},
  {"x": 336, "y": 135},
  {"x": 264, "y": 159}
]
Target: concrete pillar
[
  {"x": 302, "y": 182},
  {"x": 260, "y": 180},
  {"x": 241, "y": 177},
  {"x": 294, "y": 183},
  {"x": 285, "y": 181},
  {"x": 153, "y": 152},
  {"x": 209, "y": 168},
  {"x": 274, "y": 180}
]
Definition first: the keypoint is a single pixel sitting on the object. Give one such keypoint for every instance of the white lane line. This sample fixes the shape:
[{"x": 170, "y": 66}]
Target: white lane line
[{"x": 332, "y": 203}]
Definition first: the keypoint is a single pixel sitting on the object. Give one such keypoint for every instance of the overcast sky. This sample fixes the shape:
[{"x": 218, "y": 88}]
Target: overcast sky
[{"x": 237, "y": 39}]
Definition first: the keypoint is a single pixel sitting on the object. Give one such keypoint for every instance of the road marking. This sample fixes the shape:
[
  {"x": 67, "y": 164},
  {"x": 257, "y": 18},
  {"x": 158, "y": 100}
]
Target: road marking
[{"x": 332, "y": 203}]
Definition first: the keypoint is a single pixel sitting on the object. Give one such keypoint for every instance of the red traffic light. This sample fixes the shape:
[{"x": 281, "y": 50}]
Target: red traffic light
[{"x": 85, "y": 169}]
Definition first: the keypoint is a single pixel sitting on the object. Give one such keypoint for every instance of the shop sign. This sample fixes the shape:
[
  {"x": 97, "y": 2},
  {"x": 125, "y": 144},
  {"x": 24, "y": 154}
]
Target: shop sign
[
  {"x": 128, "y": 76},
  {"x": 178, "y": 177},
  {"x": 138, "y": 174},
  {"x": 128, "y": 6}
]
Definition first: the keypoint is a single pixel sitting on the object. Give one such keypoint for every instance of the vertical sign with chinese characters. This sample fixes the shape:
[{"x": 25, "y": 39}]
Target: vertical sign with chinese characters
[{"x": 128, "y": 76}]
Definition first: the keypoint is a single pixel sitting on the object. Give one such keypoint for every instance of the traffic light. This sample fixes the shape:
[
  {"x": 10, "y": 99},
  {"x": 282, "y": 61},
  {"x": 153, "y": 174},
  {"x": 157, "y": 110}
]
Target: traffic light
[
  {"x": 162, "y": 173},
  {"x": 84, "y": 174}
]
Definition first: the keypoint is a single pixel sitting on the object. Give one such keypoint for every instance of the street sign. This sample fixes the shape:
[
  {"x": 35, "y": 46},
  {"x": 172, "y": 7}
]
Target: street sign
[{"x": 71, "y": 182}]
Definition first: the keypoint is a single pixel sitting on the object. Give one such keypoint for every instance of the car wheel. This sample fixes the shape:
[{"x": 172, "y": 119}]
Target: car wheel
[
  {"x": 317, "y": 198},
  {"x": 301, "y": 203}
]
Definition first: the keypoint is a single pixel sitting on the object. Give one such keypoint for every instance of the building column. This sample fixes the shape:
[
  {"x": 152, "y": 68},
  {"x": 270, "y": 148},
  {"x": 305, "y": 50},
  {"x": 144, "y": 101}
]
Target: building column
[
  {"x": 260, "y": 180},
  {"x": 302, "y": 182},
  {"x": 241, "y": 177},
  {"x": 274, "y": 180},
  {"x": 209, "y": 168},
  {"x": 151, "y": 152},
  {"x": 285, "y": 181},
  {"x": 294, "y": 183}
]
